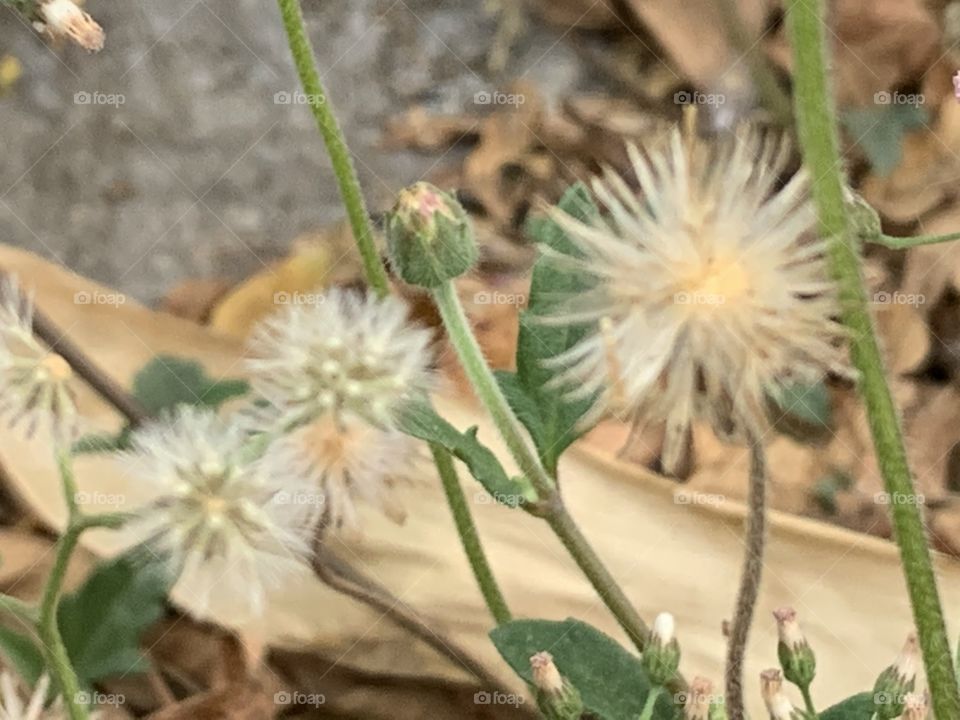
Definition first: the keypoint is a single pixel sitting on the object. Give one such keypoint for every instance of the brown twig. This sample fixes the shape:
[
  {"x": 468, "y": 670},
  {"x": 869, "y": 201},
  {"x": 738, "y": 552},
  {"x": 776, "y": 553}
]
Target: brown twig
[
  {"x": 348, "y": 581},
  {"x": 749, "y": 581},
  {"x": 83, "y": 366}
]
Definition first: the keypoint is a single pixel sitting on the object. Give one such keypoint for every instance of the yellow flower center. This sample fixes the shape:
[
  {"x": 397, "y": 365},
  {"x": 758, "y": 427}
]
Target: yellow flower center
[
  {"x": 714, "y": 284},
  {"x": 56, "y": 368}
]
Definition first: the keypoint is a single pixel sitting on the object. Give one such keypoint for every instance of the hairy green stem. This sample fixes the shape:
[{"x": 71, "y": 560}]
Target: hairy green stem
[
  {"x": 647, "y": 712},
  {"x": 469, "y": 536},
  {"x": 818, "y": 140},
  {"x": 550, "y": 502},
  {"x": 808, "y": 702},
  {"x": 902, "y": 243},
  {"x": 340, "y": 158}
]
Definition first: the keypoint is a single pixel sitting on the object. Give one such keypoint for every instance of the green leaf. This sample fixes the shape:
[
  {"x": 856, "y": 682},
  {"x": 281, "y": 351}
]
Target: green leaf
[
  {"x": 101, "y": 443},
  {"x": 22, "y": 653},
  {"x": 879, "y": 130},
  {"x": 422, "y": 421},
  {"x": 858, "y": 707},
  {"x": 550, "y": 284},
  {"x": 612, "y": 681},
  {"x": 168, "y": 381},
  {"x": 803, "y": 411},
  {"x": 523, "y": 405},
  {"x": 101, "y": 623}
]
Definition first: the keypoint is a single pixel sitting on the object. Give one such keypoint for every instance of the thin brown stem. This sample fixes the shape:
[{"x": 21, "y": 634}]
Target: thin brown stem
[
  {"x": 348, "y": 581},
  {"x": 749, "y": 581},
  {"x": 84, "y": 367}
]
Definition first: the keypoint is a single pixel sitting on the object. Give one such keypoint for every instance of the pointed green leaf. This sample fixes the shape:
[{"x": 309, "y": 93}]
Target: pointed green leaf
[
  {"x": 611, "y": 681},
  {"x": 858, "y": 707},
  {"x": 550, "y": 284},
  {"x": 167, "y": 381},
  {"x": 422, "y": 421},
  {"x": 22, "y": 653},
  {"x": 102, "y": 622}
]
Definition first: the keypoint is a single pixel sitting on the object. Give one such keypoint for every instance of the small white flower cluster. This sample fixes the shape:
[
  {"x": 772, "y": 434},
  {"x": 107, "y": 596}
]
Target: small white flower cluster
[
  {"x": 234, "y": 504},
  {"x": 64, "y": 18}
]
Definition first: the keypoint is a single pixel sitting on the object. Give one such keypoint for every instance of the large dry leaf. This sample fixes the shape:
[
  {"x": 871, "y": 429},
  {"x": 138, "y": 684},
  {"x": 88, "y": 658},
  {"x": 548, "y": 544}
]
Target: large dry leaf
[{"x": 669, "y": 550}]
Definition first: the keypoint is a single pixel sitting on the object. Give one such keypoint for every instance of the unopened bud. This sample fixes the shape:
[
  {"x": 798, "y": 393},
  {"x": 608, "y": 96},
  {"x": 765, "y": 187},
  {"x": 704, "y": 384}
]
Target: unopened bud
[
  {"x": 429, "y": 236},
  {"x": 556, "y": 697},
  {"x": 778, "y": 704},
  {"x": 63, "y": 18},
  {"x": 896, "y": 681},
  {"x": 796, "y": 656},
  {"x": 697, "y": 706},
  {"x": 863, "y": 219},
  {"x": 661, "y": 657}
]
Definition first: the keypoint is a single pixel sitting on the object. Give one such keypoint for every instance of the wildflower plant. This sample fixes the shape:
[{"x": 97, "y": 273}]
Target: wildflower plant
[{"x": 702, "y": 292}]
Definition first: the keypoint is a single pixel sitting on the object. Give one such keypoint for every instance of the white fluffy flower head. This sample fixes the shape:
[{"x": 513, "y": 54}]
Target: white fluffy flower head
[
  {"x": 212, "y": 514},
  {"x": 350, "y": 355},
  {"x": 343, "y": 460},
  {"x": 711, "y": 292},
  {"x": 35, "y": 383},
  {"x": 64, "y": 18},
  {"x": 13, "y": 706}
]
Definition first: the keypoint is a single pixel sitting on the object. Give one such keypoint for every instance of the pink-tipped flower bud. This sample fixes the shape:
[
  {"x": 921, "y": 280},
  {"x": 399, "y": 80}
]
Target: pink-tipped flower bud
[
  {"x": 556, "y": 697},
  {"x": 778, "y": 704},
  {"x": 891, "y": 688},
  {"x": 916, "y": 706},
  {"x": 796, "y": 656},
  {"x": 697, "y": 705}
]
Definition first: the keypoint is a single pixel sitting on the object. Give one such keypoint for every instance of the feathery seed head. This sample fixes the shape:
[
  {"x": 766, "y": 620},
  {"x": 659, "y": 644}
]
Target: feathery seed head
[
  {"x": 351, "y": 355},
  {"x": 63, "y": 18},
  {"x": 711, "y": 290},
  {"x": 35, "y": 383},
  {"x": 219, "y": 520},
  {"x": 342, "y": 461}
]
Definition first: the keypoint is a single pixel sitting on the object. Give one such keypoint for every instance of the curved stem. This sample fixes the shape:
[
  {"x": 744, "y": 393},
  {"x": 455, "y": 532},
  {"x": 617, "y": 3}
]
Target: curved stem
[
  {"x": 340, "y": 158},
  {"x": 902, "y": 243},
  {"x": 353, "y": 584},
  {"x": 749, "y": 582},
  {"x": 647, "y": 712},
  {"x": 808, "y": 702},
  {"x": 487, "y": 390},
  {"x": 818, "y": 139},
  {"x": 469, "y": 536}
]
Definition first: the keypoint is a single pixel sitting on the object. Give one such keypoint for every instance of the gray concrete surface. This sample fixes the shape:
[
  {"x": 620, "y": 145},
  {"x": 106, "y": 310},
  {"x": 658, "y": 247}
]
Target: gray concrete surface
[{"x": 200, "y": 171}]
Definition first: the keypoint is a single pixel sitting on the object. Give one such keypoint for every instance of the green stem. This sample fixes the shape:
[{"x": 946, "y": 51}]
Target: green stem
[
  {"x": 488, "y": 391},
  {"x": 818, "y": 139},
  {"x": 651, "y": 702},
  {"x": 550, "y": 503},
  {"x": 903, "y": 243},
  {"x": 329, "y": 128},
  {"x": 469, "y": 536},
  {"x": 808, "y": 702}
]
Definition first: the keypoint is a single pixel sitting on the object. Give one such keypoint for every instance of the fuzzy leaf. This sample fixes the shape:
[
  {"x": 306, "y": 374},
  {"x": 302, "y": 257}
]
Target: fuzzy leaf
[
  {"x": 422, "y": 421},
  {"x": 550, "y": 284},
  {"x": 879, "y": 131},
  {"x": 22, "y": 653},
  {"x": 611, "y": 681},
  {"x": 167, "y": 381},
  {"x": 103, "y": 620},
  {"x": 857, "y": 707},
  {"x": 523, "y": 405}
]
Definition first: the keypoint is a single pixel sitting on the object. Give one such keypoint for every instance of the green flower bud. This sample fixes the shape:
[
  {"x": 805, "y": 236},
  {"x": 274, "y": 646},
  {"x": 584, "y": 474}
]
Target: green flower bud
[
  {"x": 556, "y": 697},
  {"x": 894, "y": 683},
  {"x": 796, "y": 656},
  {"x": 661, "y": 657},
  {"x": 864, "y": 220},
  {"x": 429, "y": 236}
]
